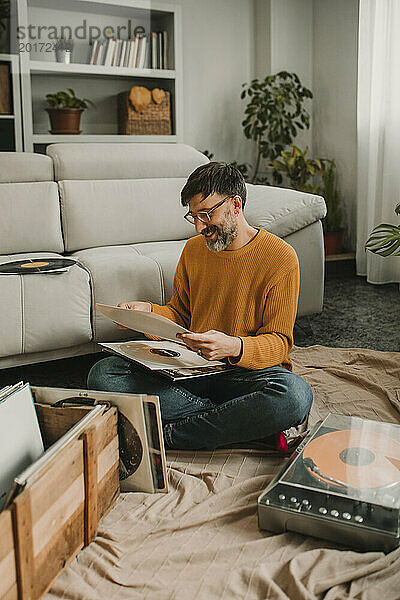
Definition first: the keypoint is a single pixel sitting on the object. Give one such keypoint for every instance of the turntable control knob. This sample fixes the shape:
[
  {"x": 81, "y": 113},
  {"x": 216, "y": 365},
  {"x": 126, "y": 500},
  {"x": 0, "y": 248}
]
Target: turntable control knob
[
  {"x": 282, "y": 497},
  {"x": 293, "y": 499},
  {"x": 358, "y": 519},
  {"x": 322, "y": 510},
  {"x": 334, "y": 513},
  {"x": 305, "y": 502},
  {"x": 346, "y": 516}
]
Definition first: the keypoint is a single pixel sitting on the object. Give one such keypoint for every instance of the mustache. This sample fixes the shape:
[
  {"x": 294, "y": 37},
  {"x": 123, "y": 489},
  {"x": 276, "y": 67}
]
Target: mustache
[{"x": 209, "y": 230}]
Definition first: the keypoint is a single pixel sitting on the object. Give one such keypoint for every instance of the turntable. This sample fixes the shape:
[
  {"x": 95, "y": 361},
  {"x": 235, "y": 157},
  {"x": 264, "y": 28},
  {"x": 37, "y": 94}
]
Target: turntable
[{"x": 342, "y": 484}]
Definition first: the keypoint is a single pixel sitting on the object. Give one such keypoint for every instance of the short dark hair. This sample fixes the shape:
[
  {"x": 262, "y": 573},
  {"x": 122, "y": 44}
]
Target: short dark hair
[{"x": 222, "y": 178}]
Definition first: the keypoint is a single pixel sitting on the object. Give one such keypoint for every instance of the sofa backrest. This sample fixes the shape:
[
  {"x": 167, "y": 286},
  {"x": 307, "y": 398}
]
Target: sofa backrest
[
  {"x": 125, "y": 211},
  {"x": 123, "y": 161},
  {"x": 29, "y": 204},
  {"x": 122, "y": 193}
]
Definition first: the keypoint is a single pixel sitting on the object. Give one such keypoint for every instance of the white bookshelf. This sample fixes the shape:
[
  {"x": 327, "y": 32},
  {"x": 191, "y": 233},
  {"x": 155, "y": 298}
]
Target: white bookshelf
[
  {"x": 41, "y": 74},
  {"x": 15, "y": 116}
]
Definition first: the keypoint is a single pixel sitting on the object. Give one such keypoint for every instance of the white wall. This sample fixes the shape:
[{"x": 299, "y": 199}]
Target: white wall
[
  {"x": 291, "y": 31},
  {"x": 335, "y": 92},
  {"x": 218, "y": 56}
]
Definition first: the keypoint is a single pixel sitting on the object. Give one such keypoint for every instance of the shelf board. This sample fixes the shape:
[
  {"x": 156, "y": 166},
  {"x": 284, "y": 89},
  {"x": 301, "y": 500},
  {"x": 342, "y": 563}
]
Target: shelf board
[
  {"x": 7, "y": 116},
  {"x": 48, "y": 138},
  {"x": 341, "y": 256},
  {"x": 43, "y": 66}
]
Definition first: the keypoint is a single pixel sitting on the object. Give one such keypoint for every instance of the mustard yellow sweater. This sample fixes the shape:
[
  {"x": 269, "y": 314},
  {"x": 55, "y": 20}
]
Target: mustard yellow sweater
[{"x": 250, "y": 293}]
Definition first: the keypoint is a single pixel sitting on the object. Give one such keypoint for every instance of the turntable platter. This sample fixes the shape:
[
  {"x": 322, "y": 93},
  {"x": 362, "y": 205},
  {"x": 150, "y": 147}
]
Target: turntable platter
[{"x": 356, "y": 458}]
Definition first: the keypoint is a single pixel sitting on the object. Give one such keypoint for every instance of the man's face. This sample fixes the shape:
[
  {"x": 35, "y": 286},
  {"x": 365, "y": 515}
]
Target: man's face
[{"x": 222, "y": 228}]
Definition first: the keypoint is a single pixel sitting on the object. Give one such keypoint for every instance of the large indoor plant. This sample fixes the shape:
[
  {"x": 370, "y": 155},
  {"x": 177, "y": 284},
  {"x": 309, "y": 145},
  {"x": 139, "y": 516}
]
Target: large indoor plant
[
  {"x": 274, "y": 115},
  {"x": 385, "y": 238},
  {"x": 315, "y": 176},
  {"x": 65, "y": 111}
]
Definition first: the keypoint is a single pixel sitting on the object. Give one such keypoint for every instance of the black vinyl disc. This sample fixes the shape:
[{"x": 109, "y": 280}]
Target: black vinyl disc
[{"x": 35, "y": 265}]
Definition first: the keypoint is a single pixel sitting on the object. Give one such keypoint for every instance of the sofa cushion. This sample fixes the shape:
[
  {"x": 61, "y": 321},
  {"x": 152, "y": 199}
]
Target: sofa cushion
[
  {"x": 119, "y": 274},
  {"x": 123, "y": 161},
  {"x": 34, "y": 321},
  {"x": 110, "y": 212},
  {"x": 18, "y": 167},
  {"x": 282, "y": 211},
  {"x": 166, "y": 255},
  {"x": 30, "y": 218}
]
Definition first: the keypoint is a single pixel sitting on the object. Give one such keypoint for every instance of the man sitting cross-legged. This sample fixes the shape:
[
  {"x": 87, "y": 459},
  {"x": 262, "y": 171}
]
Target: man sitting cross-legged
[{"x": 237, "y": 287}]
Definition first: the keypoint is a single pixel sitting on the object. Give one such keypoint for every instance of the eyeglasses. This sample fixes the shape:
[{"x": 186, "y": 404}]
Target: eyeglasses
[{"x": 204, "y": 215}]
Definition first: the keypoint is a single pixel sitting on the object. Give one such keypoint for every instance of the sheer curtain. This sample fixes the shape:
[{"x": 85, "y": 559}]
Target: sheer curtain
[{"x": 378, "y": 130}]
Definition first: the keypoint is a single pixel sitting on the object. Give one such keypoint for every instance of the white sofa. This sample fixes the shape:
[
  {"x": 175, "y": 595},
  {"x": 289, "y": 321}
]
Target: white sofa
[{"x": 116, "y": 209}]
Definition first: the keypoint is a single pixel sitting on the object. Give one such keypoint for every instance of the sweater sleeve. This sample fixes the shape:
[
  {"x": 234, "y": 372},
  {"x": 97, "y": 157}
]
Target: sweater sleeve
[
  {"x": 178, "y": 308},
  {"x": 271, "y": 344}
]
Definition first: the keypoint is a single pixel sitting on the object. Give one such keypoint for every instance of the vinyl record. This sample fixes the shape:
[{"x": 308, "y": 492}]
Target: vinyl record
[
  {"x": 130, "y": 447},
  {"x": 29, "y": 266},
  {"x": 356, "y": 458}
]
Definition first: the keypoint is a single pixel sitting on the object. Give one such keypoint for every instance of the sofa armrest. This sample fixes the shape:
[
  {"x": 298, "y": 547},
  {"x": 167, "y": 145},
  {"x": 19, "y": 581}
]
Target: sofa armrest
[{"x": 282, "y": 211}]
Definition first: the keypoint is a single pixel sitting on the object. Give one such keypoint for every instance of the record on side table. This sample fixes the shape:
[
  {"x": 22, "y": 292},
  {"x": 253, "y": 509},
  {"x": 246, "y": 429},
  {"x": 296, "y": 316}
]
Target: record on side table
[{"x": 29, "y": 266}]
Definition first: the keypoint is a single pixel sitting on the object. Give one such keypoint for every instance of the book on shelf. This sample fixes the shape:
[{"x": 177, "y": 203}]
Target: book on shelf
[
  {"x": 142, "y": 51},
  {"x": 159, "y": 50},
  {"x": 165, "y": 49}
]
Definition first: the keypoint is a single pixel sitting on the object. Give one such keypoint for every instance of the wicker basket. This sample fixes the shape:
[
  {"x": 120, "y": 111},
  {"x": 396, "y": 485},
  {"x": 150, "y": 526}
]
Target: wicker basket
[{"x": 154, "y": 120}]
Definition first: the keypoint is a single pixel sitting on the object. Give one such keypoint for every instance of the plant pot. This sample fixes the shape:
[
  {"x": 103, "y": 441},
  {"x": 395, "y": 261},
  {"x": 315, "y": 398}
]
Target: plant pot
[
  {"x": 65, "y": 120},
  {"x": 333, "y": 242}
]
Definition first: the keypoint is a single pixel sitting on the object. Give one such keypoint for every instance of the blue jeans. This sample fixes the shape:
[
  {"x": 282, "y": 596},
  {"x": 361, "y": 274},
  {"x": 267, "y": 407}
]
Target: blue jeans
[{"x": 207, "y": 412}]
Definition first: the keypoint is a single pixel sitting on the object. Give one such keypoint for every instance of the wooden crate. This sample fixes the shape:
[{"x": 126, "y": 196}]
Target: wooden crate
[{"x": 58, "y": 511}]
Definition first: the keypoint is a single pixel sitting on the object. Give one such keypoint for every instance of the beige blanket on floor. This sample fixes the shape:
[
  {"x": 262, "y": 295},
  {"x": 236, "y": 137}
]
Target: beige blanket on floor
[{"x": 202, "y": 540}]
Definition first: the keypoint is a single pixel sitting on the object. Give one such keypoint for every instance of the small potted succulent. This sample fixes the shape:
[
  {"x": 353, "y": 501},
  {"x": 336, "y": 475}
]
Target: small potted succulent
[
  {"x": 63, "y": 49},
  {"x": 65, "y": 111}
]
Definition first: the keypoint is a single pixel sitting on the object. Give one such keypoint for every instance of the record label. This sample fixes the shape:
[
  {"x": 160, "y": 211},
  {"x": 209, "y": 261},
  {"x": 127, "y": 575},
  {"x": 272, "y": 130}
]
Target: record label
[
  {"x": 356, "y": 458},
  {"x": 31, "y": 266}
]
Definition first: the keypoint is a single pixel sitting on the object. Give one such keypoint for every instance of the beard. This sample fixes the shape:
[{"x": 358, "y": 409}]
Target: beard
[{"x": 226, "y": 233}]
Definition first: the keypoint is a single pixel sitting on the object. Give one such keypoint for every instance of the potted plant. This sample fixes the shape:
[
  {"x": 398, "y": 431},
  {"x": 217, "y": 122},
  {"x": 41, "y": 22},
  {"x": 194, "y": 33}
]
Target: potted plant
[
  {"x": 63, "y": 50},
  {"x": 299, "y": 169},
  {"x": 332, "y": 223},
  {"x": 65, "y": 111},
  {"x": 385, "y": 238},
  {"x": 274, "y": 115}
]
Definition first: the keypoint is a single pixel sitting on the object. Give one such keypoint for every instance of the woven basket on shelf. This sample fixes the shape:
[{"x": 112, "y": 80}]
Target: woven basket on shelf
[{"x": 155, "y": 119}]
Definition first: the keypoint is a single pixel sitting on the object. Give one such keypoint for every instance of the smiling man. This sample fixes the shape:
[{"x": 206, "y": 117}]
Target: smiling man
[{"x": 235, "y": 286}]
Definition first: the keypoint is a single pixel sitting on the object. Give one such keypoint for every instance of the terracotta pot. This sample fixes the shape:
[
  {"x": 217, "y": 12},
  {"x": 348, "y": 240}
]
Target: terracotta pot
[
  {"x": 333, "y": 242},
  {"x": 65, "y": 120}
]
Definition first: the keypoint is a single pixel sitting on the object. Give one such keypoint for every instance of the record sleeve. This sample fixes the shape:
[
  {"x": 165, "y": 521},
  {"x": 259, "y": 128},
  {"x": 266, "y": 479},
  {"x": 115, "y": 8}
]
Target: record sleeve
[{"x": 168, "y": 359}]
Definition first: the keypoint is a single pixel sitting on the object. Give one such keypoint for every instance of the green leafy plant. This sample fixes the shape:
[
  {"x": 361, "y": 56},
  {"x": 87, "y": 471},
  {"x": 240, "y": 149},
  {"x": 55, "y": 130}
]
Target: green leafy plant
[
  {"x": 243, "y": 167},
  {"x": 4, "y": 13},
  {"x": 67, "y": 99},
  {"x": 299, "y": 169},
  {"x": 274, "y": 115},
  {"x": 334, "y": 215},
  {"x": 385, "y": 238}
]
